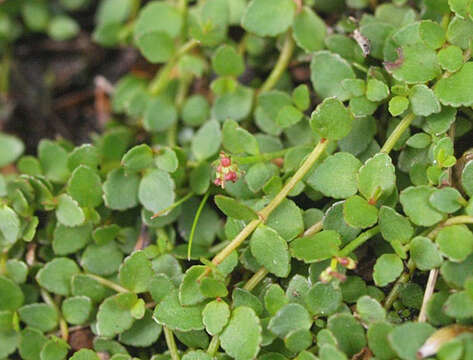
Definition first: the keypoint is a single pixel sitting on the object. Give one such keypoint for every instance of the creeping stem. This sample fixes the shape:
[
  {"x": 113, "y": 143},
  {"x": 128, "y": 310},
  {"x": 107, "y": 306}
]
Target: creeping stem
[
  {"x": 263, "y": 214},
  {"x": 162, "y": 78},
  {"x": 62, "y": 323},
  {"x": 171, "y": 343},
  {"x": 396, "y": 134},
  {"x": 361, "y": 239},
  {"x": 281, "y": 64}
]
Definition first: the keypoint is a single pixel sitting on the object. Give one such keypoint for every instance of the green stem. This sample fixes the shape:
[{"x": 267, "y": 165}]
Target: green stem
[
  {"x": 194, "y": 224},
  {"x": 360, "y": 240},
  {"x": 396, "y": 134},
  {"x": 108, "y": 283},
  {"x": 314, "y": 229},
  {"x": 176, "y": 204},
  {"x": 213, "y": 346},
  {"x": 404, "y": 278},
  {"x": 281, "y": 64},
  {"x": 3, "y": 263},
  {"x": 171, "y": 343},
  {"x": 162, "y": 78},
  {"x": 255, "y": 279},
  {"x": 263, "y": 214},
  {"x": 462, "y": 219},
  {"x": 244, "y": 160},
  {"x": 62, "y": 323}
]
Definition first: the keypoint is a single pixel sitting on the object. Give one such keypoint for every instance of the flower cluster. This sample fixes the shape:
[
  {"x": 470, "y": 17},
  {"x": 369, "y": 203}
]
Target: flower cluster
[{"x": 226, "y": 170}]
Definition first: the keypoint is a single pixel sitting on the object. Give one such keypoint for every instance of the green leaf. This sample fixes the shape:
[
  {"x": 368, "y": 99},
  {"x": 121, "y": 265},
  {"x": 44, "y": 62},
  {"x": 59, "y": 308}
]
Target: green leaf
[
  {"x": 215, "y": 316},
  {"x": 346, "y": 167},
  {"x": 16, "y": 270},
  {"x": 447, "y": 200},
  {"x": 11, "y": 149},
  {"x": 138, "y": 158},
  {"x": 156, "y": 46},
  {"x": 241, "y": 338},
  {"x": 62, "y": 28},
  {"x": 424, "y": 253},
  {"x": 451, "y": 58},
  {"x": 202, "y": 148},
  {"x": 213, "y": 288},
  {"x": 121, "y": 190},
  {"x": 416, "y": 205},
  {"x": 40, "y": 316},
  {"x": 234, "y": 208},
  {"x": 171, "y": 313},
  {"x": 143, "y": 333},
  {"x": 9, "y": 226},
  {"x": 289, "y": 116},
  {"x": 160, "y": 115},
  {"x": 348, "y": 332},
  {"x": 274, "y": 299},
  {"x": 289, "y": 318},
  {"x": 11, "y": 296},
  {"x": 328, "y": 70},
  {"x": 156, "y": 190},
  {"x": 419, "y": 64},
  {"x": 200, "y": 178},
  {"x": 287, "y": 220},
  {"x": 460, "y": 7},
  {"x": 268, "y": 17},
  {"x": 77, "y": 309},
  {"x": 53, "y": 159},
  {"x": 370, "y": 310},
  {"x": 394, "y": 227},
  {"x": 68, "y": 211},
  {"x": 56, "y": 275},
  {"x": 196, "y": 110},
  {"x": 388, "y": 267},
  {"x": 271, "y": 251},
  {"x": 377, "y": 177},
  {"x": 459, "y": 305},
  {"x": 317, "y": 247},
  {"x": 54, "y": 349},
  {"x": 85, "y": 186},
  {"x": 376, "y": 90},
  {"x": 158, "y": 16},
  {"x": 102, "y": 259},
  {"x": 115, "y": 314},
  {"x": 397, "y": 105},
  {"x": 359, "y": 213},
  {"x": 378, "y": 340},
  {"x": 189, "y": 290},
  {"x": 301, "y": 97},
  {"x": 407, "y": 338},
  {"x": 67, "y": 240},
  {"x": 227, "y": 62},
  {"x": 423, "y": 101},
  {"x": 31, "y": 343},
  {"x": 331, "y": 120},
  {"x": 456, "y": 90},
  {"x": 467, "y": 178},
  {"x": 235, "y": 105},
  {"x": 459, "y": 32},
  {"x": 309, "y": 30},
  {"x": 323, "y": 299},
  {"x": 238, "y": 140},
  {"x": 136, "y": 272},
  {"x": 85, "y": 354},
  {"x": 432, "y": 33},
  {"x": 455, "y": 242}
]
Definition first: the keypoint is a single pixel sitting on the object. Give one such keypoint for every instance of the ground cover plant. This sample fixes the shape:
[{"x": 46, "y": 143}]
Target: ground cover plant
[{"x": 278, "y": 179}]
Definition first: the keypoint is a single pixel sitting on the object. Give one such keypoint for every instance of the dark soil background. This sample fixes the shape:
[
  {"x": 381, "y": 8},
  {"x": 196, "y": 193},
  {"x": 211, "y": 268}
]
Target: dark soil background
[{"x": 52, "y": 91}]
